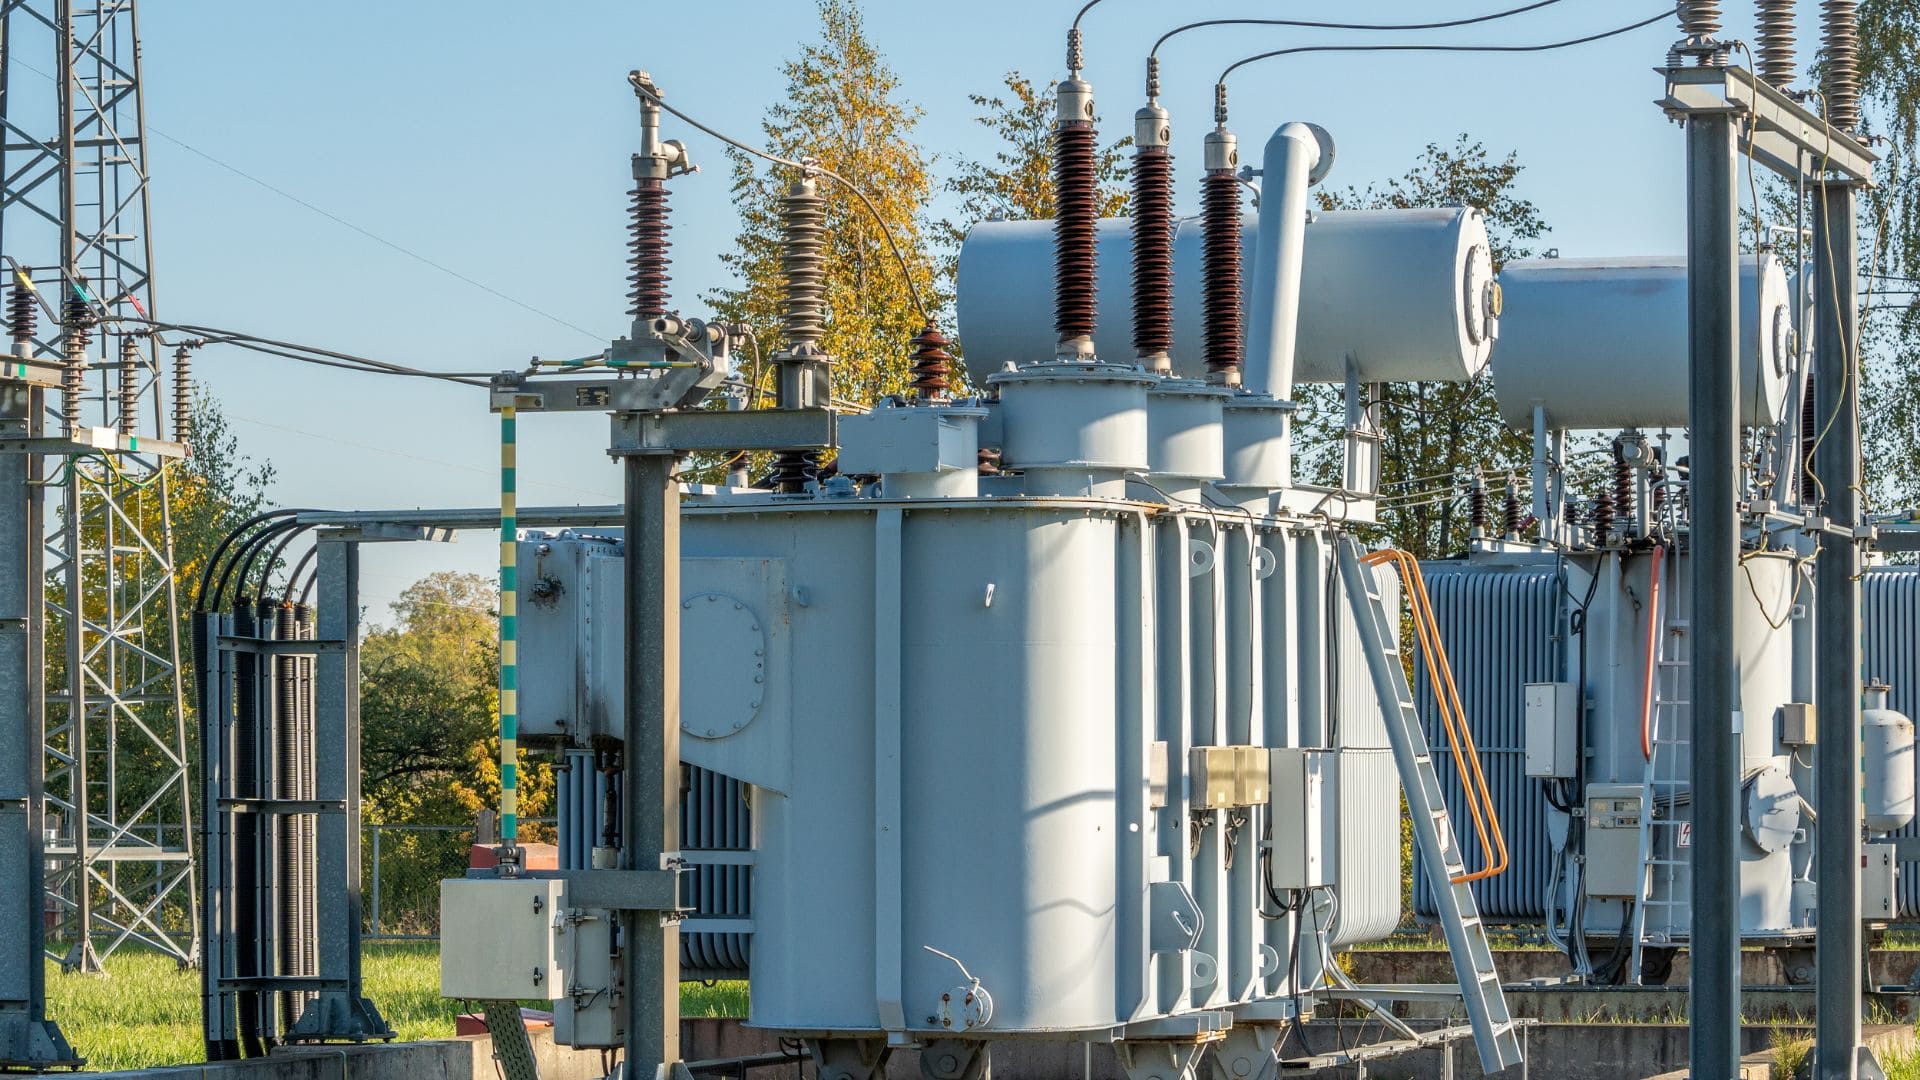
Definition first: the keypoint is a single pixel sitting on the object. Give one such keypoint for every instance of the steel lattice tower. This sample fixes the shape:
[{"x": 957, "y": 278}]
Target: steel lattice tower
[{"x": 74, "y": 217}]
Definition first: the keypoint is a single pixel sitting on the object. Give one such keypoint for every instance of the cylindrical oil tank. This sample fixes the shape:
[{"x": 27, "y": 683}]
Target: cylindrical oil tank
[
  {"x": 1886, "y": 755},
  {"x": 1073, "y": 428},
  {"x": 1602, "y": 343},
  {"x": 1183, "y": 432},
  {"x": 1402, "y": 294}
]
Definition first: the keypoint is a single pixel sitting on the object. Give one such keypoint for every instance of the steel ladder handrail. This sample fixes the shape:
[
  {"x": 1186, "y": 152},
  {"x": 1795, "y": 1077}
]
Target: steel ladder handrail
[
  {"x": 1481, "y": 993},
  {"x": 1453, "y": 716}
]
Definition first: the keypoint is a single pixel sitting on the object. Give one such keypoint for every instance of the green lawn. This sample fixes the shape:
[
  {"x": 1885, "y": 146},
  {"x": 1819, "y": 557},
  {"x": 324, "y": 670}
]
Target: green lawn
[{"x": 146, "y": 1010}]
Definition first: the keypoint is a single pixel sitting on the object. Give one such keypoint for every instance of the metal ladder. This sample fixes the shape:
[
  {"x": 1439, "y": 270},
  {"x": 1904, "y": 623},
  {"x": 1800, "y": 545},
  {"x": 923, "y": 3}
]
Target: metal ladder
[
  {"x": 1494, "y": 1031},
  {"x": 1663, "y": 789}
]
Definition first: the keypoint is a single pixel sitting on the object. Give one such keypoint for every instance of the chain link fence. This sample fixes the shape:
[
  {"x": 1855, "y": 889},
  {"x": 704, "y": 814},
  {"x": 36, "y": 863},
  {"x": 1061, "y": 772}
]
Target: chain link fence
[{"x": 401, "y": 867}]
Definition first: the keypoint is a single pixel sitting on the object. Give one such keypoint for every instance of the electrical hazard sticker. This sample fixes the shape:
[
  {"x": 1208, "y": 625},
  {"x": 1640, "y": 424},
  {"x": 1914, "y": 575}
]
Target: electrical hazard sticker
[{"x": 1686, "y": 835}]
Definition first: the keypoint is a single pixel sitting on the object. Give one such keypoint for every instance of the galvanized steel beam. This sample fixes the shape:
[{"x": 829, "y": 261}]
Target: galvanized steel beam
[
  {"x": 1713, "y": 339},
  {"x": 1836, "y": 630}
]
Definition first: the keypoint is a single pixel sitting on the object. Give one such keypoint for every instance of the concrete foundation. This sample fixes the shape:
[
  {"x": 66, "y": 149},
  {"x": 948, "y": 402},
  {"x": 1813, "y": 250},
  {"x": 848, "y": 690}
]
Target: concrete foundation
[
  {"x": 1606, "y": 1051},
  {"x": 466, "y": 1058}
]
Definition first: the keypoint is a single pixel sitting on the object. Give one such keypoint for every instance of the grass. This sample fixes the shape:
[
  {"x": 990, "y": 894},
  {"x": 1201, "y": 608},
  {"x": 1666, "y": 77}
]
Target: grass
[
  {"x": 1790, "y": 1050},
  {"x": 146, "y": 1010},
  {"x": 1903, "y": 1062}
]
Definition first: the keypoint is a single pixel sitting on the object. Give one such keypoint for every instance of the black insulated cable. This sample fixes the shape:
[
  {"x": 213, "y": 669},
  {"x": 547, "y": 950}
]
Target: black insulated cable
[
  {"x": 243, "y": 560},
  {"x": 1311, "y": 24},
  {"x": 1663, "y": 14},
  {"x": 299, "y": 568},
  {"x": 206, "y": 572}
]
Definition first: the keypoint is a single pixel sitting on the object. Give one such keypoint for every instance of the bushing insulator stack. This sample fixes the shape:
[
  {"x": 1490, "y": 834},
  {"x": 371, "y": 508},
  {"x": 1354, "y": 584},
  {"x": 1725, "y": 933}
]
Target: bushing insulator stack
[
  {"x": 1840, "y": 74},
  {"x": 1602, "y": 519},
  {"x": 77, "y": 318},
  {"x": 1623, "y": 488},
  {"x": 1224, "y": 335},
  {"x": 23, "y": 318},
  {"x": 1775, "y": 55},
  {"x": 647, "y": 275},
  {"x": 1699, "y": 18},
  {"x": 1152, "y": 231},
  {"x": 932, "y": 365},
  {"x": 182, "y": 394},
  {"x": 129, "y": 385},
  {"x": 802, "y": 368},
  {"x": 803, "y": 215},
  {"x": 1076, "y": 212}
]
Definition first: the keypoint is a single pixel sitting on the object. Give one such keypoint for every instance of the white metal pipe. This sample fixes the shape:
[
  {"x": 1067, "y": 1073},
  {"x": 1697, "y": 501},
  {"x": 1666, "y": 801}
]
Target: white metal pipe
[{"x": 1274, "y": 307}]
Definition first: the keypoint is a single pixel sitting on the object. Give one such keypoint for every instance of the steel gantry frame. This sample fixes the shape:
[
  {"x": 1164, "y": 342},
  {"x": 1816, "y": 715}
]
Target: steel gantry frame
[
  {"x": 1727, "y": 112},
  {"x": 74, "y": 229}
]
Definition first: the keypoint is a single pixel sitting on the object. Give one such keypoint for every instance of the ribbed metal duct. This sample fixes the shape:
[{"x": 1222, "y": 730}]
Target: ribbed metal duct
[
  {"x": 1499, "y": 626},
  {"x": 714, "y": 817}
]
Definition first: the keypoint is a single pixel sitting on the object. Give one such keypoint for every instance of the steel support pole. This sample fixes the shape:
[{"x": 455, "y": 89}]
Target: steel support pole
[
  {"x": 337, "y": 759},
  {"x": 1713, "y": 328},
  {"x": 1836, "y": 633},
  {"x": 339, "y": 1011},
  {"x": 650, "y": 809},
  {"x": 27, "y": 1037}
]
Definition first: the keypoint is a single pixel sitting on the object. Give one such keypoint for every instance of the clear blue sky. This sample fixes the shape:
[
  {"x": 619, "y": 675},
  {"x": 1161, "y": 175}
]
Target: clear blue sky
[{"x": 493, "y": 138}]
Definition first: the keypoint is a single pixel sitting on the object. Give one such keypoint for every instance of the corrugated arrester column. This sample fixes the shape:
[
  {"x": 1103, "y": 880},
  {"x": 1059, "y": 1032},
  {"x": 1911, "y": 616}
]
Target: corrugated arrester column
[
  {"x": 716, "y": 835},
  {"x": 1499, "y": 627},
  {"x": 1890, "y": 648}
]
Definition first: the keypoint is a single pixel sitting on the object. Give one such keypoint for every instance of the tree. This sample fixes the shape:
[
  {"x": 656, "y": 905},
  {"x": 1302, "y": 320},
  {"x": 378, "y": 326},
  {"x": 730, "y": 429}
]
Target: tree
[
  {"x": 429, "y": 708},
  {"x": 1430, "y": 429},
  {"x": 1890, "y": 233},
  {"x": 841, "y": 111},
  {"x": 1018, "y": 184},
  {"x": 210, "y": 493}
]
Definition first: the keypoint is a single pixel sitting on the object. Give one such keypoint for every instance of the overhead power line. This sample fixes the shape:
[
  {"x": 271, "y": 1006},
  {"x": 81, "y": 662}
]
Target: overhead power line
[
  {"x": 344, "y": 223},
  {"x": 1663, "y": 13}
]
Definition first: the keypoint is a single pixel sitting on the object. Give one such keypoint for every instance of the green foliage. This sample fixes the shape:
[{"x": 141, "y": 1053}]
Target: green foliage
[
  {"x": 211, "y": 492},
  {"x": 841, "y": 111},
  {"x": 1432, "y": 433},
  {"x": 429, "y": 708},
  {"x": 1890, "y": 388}
]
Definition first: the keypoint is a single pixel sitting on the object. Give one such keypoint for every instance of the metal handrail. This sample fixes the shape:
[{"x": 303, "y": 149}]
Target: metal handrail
[{"x": 1453, "y": 716}]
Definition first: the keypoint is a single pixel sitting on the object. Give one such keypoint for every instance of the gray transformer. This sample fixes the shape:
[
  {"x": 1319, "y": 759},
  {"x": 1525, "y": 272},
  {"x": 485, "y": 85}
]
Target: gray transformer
[
  {"x": 986, "y": 708},
  {"x": 1518, "y": 619},
  {"x": 1080, "y": 737}
]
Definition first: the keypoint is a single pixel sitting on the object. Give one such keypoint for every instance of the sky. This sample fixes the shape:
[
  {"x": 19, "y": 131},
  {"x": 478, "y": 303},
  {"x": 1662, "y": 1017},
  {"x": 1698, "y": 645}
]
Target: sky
[{"x": 343, "y": 174}]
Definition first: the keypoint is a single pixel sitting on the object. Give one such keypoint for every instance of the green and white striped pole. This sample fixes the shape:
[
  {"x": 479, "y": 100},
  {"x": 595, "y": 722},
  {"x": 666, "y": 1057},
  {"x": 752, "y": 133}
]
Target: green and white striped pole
[{"x": 509, "y": 659}]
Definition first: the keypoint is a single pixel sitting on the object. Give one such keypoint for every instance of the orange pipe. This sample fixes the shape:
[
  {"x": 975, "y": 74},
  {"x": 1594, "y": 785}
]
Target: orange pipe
[
  {"x": 1653, "y": 656},
  {"x": 1466, "y": 754}
]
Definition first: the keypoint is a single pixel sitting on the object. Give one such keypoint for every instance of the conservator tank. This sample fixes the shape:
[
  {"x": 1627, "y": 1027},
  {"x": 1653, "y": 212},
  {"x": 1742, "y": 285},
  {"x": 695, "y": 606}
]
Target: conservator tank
[
  {"x": 1602, "y": 343},
  {"x": 1399, "y": 294}
]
